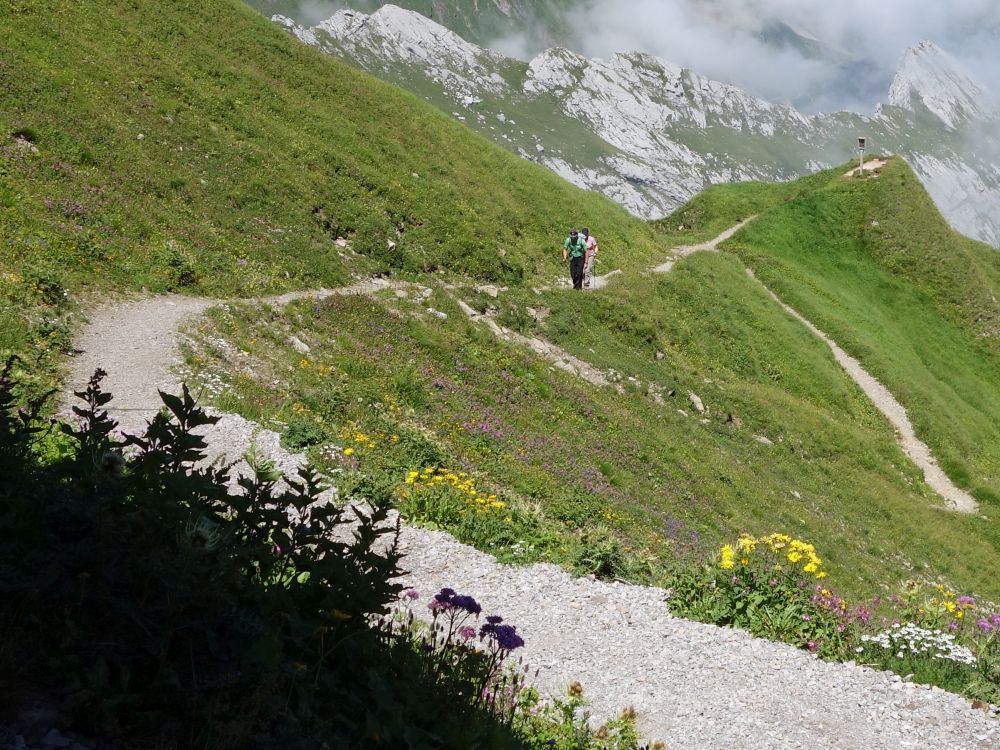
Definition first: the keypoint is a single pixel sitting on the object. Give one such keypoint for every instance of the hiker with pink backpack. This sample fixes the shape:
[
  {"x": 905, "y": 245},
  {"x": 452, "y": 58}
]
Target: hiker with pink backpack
[{"x": 590, "y": 257}]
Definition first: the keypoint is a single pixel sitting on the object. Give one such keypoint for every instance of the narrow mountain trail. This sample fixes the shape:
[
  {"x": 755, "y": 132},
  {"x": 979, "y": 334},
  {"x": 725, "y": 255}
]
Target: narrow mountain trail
[
  {"x": 918, "y": 452},
  {"x": 693, "y": 685},
  {"x": 545, "y": 349},
  {"x": 136, "y": 342},
  {"x": 915, "y": 449},
  {"x": 711, "y": 246},
  {"x": 872, "y": 165}
]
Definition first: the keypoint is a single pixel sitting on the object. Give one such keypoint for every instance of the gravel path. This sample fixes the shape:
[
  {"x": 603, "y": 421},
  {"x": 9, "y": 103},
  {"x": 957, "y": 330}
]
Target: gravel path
[
  {"x": 918, "y": 452},
  {"x": 711, "y": 246},
  {"x": 136, "y": 342},
  {"x": 694, "y": 685}
]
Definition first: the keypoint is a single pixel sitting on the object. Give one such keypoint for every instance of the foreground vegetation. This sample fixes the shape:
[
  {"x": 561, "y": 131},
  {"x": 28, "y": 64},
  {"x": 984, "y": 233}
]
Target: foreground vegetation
[{"x": 148, "y": 605}]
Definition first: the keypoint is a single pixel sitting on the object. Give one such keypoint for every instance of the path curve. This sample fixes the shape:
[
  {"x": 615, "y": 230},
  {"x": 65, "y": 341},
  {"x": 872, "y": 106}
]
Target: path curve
[
  {"x": 693, "y": 685},
  {"x": 917, "y": 450},
  {"x": 137, "y": 342},
  {"x": 711, "y": 246}
]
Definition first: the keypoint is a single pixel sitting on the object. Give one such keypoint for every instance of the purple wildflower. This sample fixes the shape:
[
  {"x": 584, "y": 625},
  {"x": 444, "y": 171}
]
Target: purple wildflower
[
  {"x": 467, "y": 603},
  {"x": 505, "y": 636},
  {"x": 411, "y": 594},
  {"x": 966, "y": 601},
  {"x": 864, "y": 614},
  {"x": 985, "y": 625},
  {"x": 806, "y": 618},
  {"x": 449, "y": 600},
  {"x": 468, "y": 633},
  {"x": 811, "y": 645},
  {"x": 494, "y": 619}
]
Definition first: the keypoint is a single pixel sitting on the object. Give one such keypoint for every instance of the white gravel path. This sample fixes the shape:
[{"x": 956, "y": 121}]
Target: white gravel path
[
  {"x": 711, "y": 246},
  {"x": 694, "y": 685}
]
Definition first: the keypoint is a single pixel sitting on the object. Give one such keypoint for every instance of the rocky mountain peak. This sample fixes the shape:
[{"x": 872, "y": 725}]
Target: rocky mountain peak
[{"x": 929, "y": 76}]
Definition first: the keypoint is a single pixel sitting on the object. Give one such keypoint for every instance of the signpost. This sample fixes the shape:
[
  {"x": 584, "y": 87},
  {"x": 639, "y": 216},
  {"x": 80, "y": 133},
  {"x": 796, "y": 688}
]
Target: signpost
[{"x": 862, "y": 141}]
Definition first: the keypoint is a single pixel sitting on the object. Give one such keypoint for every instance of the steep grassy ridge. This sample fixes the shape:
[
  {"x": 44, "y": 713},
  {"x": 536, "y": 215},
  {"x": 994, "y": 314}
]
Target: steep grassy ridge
[
  {"x": 193, "y": 145},
  {"x": 874, "y": 265}
]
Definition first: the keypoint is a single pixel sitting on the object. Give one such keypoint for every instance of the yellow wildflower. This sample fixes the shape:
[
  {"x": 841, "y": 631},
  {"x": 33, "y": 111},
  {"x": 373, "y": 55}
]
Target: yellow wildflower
[
  {"x": 726, "y": 563},
  {"x": 746, "y": 543},
  {"x": 348, "y": 451}
]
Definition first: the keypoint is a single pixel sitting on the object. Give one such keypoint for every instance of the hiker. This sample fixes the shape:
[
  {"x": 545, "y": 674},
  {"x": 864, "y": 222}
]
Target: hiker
[
  {"x": 590, "y": 257},
  {"x": 574, "y": 250}
]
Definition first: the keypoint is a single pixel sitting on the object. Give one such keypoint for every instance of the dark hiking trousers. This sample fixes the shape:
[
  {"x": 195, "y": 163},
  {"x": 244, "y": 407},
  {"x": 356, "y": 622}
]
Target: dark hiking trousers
[{"x": 576, "y": 272}]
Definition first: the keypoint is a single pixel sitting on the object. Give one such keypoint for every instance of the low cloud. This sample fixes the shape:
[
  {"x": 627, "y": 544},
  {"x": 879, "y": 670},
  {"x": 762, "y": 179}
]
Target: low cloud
[{"x": 846, "y": 54}]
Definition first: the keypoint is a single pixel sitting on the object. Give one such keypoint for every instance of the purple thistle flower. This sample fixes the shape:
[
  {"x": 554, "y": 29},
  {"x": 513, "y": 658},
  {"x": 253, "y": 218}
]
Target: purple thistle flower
[
  {"x": 985, "y": 625},
  {"x": 448, "y": 599},
  {"x": 467, "y": 633}
]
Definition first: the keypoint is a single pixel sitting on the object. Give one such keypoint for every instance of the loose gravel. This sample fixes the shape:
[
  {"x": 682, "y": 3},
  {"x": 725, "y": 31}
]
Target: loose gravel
[{"x": 693, "y": 685}]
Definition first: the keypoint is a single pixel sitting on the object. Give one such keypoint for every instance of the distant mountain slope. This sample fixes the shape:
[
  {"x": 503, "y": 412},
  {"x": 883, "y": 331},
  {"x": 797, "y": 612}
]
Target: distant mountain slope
[{"x": 651, "y": 134}]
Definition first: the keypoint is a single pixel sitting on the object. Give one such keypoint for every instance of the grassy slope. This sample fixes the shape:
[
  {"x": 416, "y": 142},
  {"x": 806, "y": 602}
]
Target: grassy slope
[
  {"x": 246, "y": 133},
  {"x": 874, "y": 265},
  {"x": 194, "y": 145},
  {"x": 662, "y": 475}
]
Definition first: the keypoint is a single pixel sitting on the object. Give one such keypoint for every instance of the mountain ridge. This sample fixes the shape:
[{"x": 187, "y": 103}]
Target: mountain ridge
[{"x": 664, "y": 132}]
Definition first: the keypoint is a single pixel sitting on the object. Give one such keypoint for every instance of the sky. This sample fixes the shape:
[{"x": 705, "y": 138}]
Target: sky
[{"x": 720, "y": 39}]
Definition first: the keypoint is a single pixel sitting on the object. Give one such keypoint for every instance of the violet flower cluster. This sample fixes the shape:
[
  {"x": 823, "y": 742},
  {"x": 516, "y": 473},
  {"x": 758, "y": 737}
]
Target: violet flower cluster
[{"x": 505, "y": 636}]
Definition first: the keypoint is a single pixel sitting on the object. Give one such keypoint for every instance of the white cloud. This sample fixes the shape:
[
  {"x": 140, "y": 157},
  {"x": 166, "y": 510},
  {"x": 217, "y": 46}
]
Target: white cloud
[{"x": 720, "y": 39}]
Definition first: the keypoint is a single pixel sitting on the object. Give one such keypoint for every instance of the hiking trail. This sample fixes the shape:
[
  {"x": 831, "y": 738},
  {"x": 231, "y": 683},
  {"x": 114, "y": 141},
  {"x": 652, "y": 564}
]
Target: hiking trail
[
  {"x": 693, "y": 685},
  {"x": 915, "y": 449}
]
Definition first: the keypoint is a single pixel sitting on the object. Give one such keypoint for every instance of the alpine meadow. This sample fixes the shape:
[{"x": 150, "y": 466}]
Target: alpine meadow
[{"x": 339, "y": 358}]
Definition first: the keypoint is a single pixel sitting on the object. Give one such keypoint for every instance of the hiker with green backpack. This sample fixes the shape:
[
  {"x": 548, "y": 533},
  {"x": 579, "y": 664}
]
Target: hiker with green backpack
[{"x": 574, "y": 251}]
